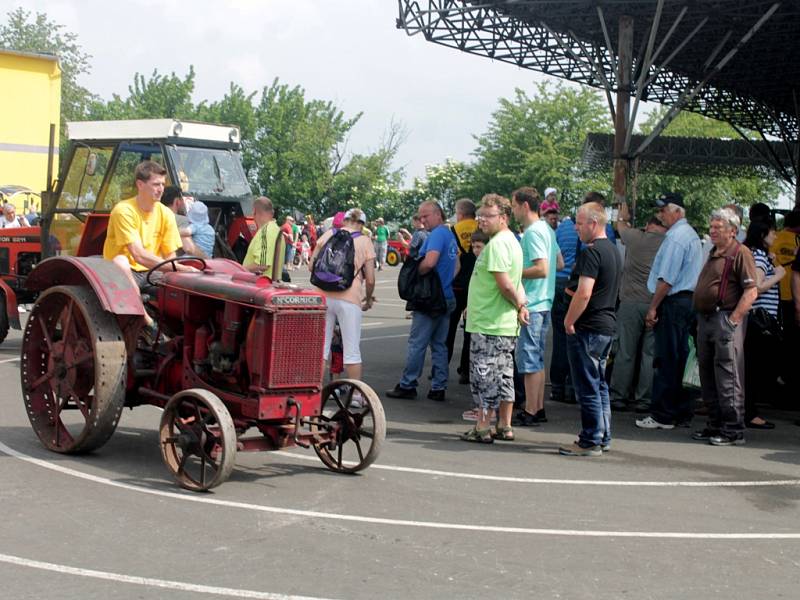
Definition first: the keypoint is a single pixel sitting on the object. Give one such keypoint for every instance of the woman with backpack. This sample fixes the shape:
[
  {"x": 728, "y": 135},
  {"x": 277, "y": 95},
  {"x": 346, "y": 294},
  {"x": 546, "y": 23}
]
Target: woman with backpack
[{"x": 343, "y": 268}]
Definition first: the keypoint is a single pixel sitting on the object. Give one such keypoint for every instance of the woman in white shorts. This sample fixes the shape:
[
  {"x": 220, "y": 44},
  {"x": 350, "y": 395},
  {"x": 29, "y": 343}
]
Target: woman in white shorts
[{"x": 346, "y": 307}]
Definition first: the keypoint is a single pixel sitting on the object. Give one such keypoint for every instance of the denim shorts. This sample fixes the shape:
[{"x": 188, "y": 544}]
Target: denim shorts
[{"x": 529, "y": 354}]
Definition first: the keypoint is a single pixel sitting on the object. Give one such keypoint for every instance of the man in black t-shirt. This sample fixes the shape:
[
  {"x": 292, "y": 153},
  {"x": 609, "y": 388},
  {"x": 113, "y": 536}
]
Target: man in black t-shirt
[{"x": 590, "y": 324}]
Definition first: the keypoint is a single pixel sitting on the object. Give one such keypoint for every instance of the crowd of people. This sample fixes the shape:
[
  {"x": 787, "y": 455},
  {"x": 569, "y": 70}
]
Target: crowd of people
[
  {"x": 514, "y": 272},
  {"x": 640, "y": 300}
]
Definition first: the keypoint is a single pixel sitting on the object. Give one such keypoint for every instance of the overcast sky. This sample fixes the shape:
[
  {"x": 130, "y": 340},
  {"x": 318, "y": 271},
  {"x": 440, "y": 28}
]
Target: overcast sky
[{"x": 348, "y": 51}]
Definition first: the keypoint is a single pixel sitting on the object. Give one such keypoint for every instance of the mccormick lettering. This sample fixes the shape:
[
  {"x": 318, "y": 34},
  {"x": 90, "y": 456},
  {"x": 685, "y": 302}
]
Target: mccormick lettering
[{"x": 297, "y": 300}]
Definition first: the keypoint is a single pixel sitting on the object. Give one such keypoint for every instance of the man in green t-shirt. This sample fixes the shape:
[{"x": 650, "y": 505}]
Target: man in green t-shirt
[
  {"x": 495, "y": 306},
  {"x": 381, "y": 238}
]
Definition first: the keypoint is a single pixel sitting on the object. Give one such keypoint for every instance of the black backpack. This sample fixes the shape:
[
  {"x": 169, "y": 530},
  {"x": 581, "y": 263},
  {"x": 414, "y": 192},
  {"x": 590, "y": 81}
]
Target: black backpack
[{"x": 335, "y": 266}]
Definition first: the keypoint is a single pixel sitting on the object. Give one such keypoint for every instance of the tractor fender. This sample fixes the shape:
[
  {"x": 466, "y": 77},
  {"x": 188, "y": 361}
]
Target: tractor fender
[
  {"x": 112, "y": 287},
  {"x": 11, "y": 304}
]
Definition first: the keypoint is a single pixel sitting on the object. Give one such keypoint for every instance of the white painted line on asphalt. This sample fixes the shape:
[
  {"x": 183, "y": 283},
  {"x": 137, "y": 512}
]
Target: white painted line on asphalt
[
  {"x": 148, "y": 581},
  {"x": 8, "y": 360},
  {"x": 633, "y": 483},
  {"x": 379, "y": 303},
  {"x": 397, "y": 522},
  {"x": 371, "y": 324},
  {"x": 384, "y": 337}
]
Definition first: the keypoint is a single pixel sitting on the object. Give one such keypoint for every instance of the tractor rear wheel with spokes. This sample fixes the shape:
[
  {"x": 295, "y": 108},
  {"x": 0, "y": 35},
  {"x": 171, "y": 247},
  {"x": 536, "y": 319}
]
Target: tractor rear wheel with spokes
[{"x": 73, "y": 370}]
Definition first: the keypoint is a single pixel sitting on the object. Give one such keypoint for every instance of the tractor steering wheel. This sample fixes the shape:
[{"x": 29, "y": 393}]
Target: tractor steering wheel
[{"x": 173, "y": 261}]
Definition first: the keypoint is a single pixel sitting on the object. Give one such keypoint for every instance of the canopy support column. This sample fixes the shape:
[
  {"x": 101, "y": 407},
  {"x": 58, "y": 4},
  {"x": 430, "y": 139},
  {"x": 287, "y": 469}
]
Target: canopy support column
[{"x": 623, "y": 104}]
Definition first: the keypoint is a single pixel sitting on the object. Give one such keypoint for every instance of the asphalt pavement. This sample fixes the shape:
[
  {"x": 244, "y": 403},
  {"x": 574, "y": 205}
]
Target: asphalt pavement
[{"x": 660, "y": 516}]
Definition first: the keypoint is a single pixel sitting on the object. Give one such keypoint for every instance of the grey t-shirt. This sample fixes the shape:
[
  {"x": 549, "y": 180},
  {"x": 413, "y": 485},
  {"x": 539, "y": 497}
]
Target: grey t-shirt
[
  {"x": 182, "y": 221},
  {"x": 640, "y": 251}
]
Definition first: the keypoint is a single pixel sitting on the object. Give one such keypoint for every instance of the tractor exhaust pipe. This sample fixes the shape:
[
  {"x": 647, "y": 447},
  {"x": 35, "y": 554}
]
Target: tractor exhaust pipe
[{"x": 47, "y": 196}]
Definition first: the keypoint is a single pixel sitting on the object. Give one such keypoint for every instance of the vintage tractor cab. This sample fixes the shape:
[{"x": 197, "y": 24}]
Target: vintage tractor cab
[{"x": 203, "y": 160}]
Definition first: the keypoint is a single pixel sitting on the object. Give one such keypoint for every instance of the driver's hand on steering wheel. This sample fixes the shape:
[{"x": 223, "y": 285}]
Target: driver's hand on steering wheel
[{"x": 186, "y": 268}]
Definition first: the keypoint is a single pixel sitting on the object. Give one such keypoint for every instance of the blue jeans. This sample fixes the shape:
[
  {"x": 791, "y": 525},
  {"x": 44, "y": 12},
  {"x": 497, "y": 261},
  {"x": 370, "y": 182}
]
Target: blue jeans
[
  {"x": 427, "y": 330},
  {"x": 588, "y": 352}
]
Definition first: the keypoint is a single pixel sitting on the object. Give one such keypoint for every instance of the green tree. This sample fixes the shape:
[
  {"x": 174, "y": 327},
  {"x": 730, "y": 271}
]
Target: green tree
[
  {"x": 702, "y": 194},
  {"x": 298, "y": 145},
  {"x": 370, "y": 180},
  {"x": 445, "y": 182},
  {"x": 160, "y": 96},
  {"x": 25, "y": 32},
  {"x": 235, "y": 108},
  {"x": 537, "y": 140}
]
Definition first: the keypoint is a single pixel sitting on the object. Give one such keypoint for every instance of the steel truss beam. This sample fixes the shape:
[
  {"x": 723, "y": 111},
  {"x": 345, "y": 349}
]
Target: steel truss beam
[
  {"x": 670, "y": 155},
  {"x": 752, "y": 86}
]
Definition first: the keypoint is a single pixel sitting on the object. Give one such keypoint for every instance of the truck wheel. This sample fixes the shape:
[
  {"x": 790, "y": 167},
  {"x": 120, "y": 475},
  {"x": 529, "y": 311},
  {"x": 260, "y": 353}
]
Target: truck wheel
[
  {"x": 73, "y": 370},
  {"x": 3, "y": 319}
]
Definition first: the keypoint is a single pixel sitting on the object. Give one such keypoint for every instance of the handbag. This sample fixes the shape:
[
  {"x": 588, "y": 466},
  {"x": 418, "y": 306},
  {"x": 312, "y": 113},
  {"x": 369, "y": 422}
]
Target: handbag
[
  {"x": 762, "y": 321},
  {"x": 422, "y": 292}
]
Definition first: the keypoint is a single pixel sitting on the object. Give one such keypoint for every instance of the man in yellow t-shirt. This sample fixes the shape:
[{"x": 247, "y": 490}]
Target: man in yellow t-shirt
[
  {"x": 785, "y": 249},
  {"x": 261, "y": 253},
  {"x": 463, "y": 229},
  {"x": 466, "y": 224},
  {"x": 142, "y": 231}
]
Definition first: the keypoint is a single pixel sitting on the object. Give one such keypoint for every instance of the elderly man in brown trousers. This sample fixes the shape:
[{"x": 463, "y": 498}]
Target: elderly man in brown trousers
[{"x": 724, "y": 294}]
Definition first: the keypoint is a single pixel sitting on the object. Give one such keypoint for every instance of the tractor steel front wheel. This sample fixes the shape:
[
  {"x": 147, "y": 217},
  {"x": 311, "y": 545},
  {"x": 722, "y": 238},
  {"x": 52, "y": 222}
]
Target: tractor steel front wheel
[
  {"x": 198, "y": 439},
  {"x": 355, "y": 415},
  {"x": 73, "y": 370}
]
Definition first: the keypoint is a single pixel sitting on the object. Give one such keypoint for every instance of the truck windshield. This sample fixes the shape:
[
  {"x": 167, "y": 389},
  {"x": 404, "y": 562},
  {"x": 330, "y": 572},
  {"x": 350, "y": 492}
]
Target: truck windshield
[{"x": 208, "y": 172}]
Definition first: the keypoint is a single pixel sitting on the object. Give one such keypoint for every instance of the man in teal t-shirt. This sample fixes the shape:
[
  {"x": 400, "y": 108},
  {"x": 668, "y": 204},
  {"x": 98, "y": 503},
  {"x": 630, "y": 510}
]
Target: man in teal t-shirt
[
  {"x": 540, "y": 258},
  {"x": 381, "y": 236},
  {"x": 495, "y": 304}
]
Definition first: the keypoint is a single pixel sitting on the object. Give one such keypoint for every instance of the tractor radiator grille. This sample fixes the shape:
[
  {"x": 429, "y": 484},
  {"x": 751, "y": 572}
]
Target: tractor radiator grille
[{"x": 295, "y": 350}]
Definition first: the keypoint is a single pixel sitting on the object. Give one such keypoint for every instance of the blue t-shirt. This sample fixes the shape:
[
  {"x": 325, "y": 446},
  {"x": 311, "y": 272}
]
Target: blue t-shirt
[
  {"x": 568, "y": 241},
  {"x": 539, "y": 241},
  {"x": 203, "y": 237},
  {"x": 570, "y": 244},
  {"x": 441, "y": 240}
]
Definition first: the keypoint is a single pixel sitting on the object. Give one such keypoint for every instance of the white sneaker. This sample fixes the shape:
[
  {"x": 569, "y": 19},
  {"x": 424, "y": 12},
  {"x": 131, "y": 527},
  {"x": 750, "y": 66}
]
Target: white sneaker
[
  {"x": 357, "y": 401},
  {"x": 651, "y": 423}
]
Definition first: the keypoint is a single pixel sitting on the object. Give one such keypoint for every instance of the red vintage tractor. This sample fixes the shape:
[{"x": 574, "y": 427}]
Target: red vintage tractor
[
  {"x": 242, "y": 354},
  {"x": 239, "y": 366},
  {"x": 396, "y": 253}
]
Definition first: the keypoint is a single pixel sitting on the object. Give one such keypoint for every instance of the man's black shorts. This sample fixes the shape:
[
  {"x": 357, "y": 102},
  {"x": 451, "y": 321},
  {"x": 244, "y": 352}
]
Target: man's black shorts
[{"x": 141, "y": 278}]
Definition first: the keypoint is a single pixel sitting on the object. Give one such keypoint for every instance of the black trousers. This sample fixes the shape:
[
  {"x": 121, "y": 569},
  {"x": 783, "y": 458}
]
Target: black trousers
[
  {"x": 670, "y": 403},
  {"x": 455, "y": 319}
]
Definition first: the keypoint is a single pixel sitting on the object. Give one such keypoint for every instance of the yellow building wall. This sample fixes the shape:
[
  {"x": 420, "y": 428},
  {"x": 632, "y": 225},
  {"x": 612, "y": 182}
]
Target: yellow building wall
[{"x": 30, "y": 100}]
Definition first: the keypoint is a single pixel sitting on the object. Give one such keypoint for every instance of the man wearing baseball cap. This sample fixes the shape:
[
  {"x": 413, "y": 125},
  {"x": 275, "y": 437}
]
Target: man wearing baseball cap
[{"x": 672, "y": 280}]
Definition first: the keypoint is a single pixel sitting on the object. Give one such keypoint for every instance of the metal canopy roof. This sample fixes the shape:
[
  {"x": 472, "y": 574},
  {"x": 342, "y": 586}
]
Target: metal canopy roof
[
  {"x": 741, "y": 53},
  {"x": 691, "y": 156}
]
